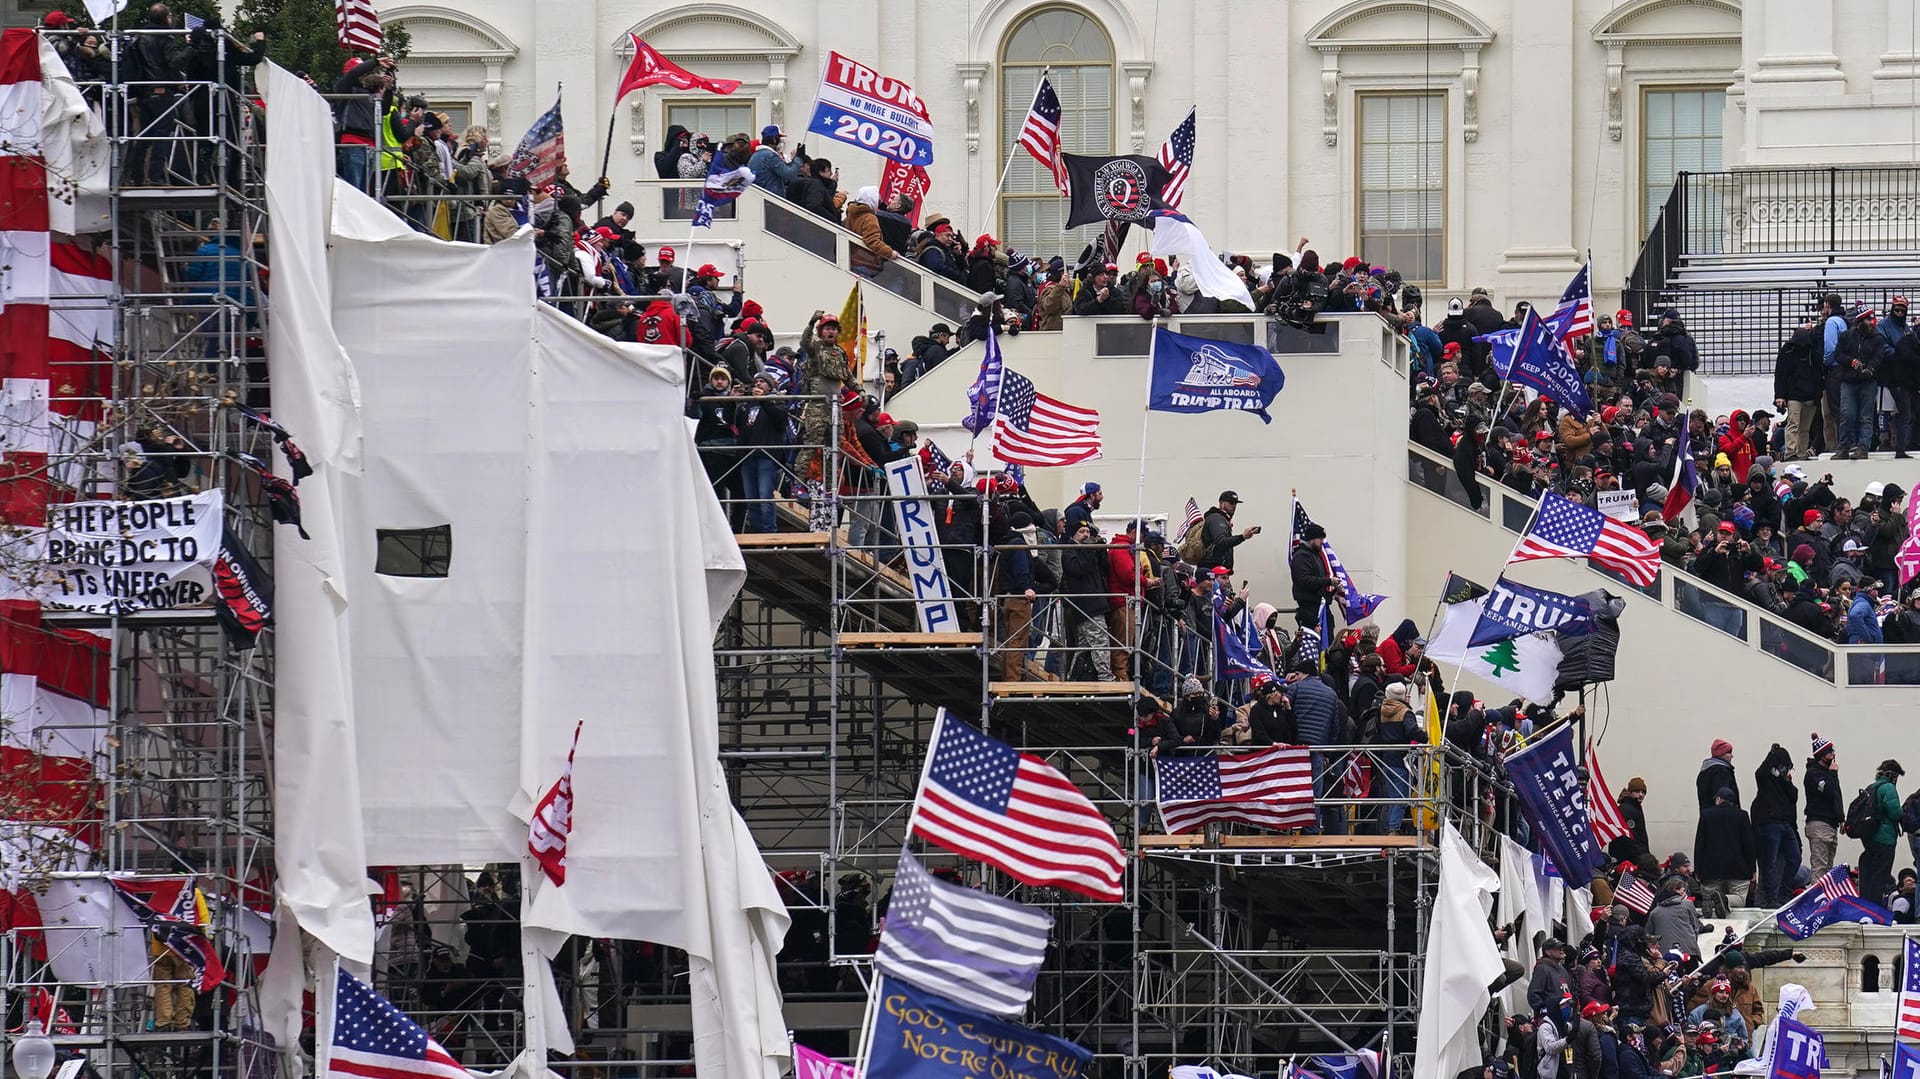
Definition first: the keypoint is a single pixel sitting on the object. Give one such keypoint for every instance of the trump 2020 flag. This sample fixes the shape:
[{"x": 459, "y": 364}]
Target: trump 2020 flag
[
  {"x": 1546, "y": 779},
  {"x": 1906, "y": 1061},
  {"x": 1828, "y": 901},
  {"x": 1532, "y": 357},
  {"x": 1195, "y": 374},
  {"x": 971, "y": 947},
  {"x": 1512, "y": 610},
  {"x": 914, "y": 1032}
]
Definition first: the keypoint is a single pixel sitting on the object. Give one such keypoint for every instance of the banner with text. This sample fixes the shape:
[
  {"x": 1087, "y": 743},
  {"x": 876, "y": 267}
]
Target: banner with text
[
  {"x": 917, "y": 1035},
  {"x": 118, "y": 557},
  {"x": 920, "y": 540},
  {"x": 1619, "y": 505},
  {"x": 909, "y": 180},
  {"x": 861, "y": 107},
  {"x": 1546, "y": 779},
  {"x": 1514, "y": 610}
]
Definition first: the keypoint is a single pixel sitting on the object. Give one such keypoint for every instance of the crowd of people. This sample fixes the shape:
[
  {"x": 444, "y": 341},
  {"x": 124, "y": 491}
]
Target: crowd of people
[
  {"x": 1760, "y": 526},
  {"x": 1639, "y": 995}
]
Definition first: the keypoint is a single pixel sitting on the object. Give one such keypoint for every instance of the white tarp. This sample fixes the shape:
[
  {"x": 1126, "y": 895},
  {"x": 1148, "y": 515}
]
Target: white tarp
[
  {"x": 589, "y": 563},
  {"x": 1520, "y": 894},
  {"x": 1461, "y": 962},
  {"x": 77, "y": 151}
]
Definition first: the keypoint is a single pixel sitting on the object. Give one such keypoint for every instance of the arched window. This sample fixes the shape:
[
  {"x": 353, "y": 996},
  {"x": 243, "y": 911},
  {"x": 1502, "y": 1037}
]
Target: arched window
[
  {"x": 1870, "y": 974},
  {"x": 1076, "y": 55}
]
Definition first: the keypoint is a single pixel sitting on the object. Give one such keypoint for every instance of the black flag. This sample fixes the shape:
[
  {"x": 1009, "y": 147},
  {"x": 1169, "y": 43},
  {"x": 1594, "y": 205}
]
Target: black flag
[
  {"x": 1122, "y": 189},
  {"x": 245, "y": 592}
]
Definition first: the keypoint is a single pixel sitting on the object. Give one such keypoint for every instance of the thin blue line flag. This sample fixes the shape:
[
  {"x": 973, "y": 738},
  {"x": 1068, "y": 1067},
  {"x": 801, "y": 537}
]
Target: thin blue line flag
[
  {"x": 1515, "y": 610},
  {"x": 917, "y": 1035},
  {"x": 1533, "y": 358},
  {"x": 983, "y": 397},
  {"x": 1195, "y": 374}
]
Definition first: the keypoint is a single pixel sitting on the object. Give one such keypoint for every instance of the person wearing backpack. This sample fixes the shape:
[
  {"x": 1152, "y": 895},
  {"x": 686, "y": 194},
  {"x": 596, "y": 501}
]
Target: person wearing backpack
[{"x": 1876, "y": 826}]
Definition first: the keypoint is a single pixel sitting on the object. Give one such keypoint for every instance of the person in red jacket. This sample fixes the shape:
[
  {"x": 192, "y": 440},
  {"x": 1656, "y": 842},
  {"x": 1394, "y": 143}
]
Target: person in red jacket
[
  {"x": 1401, "y": 652},
  {"x": 1123, "y": 576},
  {"x": 1737, "y": 443}
]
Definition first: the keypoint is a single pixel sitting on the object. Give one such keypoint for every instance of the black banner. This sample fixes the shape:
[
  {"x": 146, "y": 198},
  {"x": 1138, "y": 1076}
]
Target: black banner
[{"x": 245, "y": 593}]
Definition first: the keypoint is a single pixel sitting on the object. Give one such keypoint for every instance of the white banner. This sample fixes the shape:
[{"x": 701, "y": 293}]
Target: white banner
[
  {"x": 926, "y": 563},
  {"x": 117, "y": 557},
  {"x": 1619, "y": 505}
]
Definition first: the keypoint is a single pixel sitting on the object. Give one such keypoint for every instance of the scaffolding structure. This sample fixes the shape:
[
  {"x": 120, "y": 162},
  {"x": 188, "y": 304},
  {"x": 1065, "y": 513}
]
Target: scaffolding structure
[
  {"x": 180, "y": 782},
  {"x": 1240, "y": 950}
]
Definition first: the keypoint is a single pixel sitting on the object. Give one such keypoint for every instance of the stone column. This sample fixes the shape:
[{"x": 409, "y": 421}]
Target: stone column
[
  {"x": 1899, "y": 62},
  {"x": 1540, "y": 239},
  {"x": 1797, "y": 45}
]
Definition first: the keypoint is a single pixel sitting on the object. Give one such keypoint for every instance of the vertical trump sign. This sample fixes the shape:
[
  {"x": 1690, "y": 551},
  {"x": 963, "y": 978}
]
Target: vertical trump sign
[{"x": 926, "y": 564}]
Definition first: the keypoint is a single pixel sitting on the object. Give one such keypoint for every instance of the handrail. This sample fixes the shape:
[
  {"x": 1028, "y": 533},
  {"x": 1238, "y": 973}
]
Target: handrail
[{"x": 1768, "y": 623}]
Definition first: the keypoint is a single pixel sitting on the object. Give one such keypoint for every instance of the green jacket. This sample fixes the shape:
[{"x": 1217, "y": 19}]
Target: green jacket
[{"x": 1887, "y": 832}]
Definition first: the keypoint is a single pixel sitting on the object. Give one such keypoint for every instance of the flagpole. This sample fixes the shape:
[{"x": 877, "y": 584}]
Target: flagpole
[
  {"x": 606, "y": 159},
  {"x": 867, "y": 1023},
  {"x": 986, "y": 210}
]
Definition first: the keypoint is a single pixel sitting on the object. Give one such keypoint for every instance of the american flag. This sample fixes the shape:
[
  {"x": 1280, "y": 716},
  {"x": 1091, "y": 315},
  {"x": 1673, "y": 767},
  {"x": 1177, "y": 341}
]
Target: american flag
[
  {"x": 1034, "y": 429},
  {"x": 973, "y": 948},
  {"x": 1193, "y": 517},
  {"x": 983, "y": 397},
  {"x": 1603, "y": 811},
  {"x": 986, "y": 800},
  {"x": 1041, "y": 133},
  {"x": 542, "y": 150},
  {"x": 937, "y": 460},
  {"x": 1837, "y": 883},
  {"x": 1633, "y": 893},
  {"x": 1272, "y": 788},
  {"x": 193, "y": 22},
  {"x": 1356, "y": 779},
  {"x": 1907, "y": 1017},
  {"x": 372, "y": 1039},
  {"x": 1309, "y": 650},
  {"x": 357, "y": 24},
  {"x": 1566, "y": 529},
  {"x": 1573, "y": 316},
  {"x": 1176, "y": 156}
]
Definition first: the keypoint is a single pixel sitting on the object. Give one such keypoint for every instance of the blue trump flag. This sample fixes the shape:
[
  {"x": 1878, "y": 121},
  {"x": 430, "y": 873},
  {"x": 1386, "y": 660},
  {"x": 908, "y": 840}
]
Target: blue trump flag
[
  {"x": 1828, "y": 901},
  {"x": 1195, "y": 374},
  {"x": 1532, "y": 357},
  {"x": 1798, "y": 1050},
  {"x": 1554, "y": 802},
  {"x": 1906, "y": 1061},
  {"x": 983, "y": 397},
  {"x": 1515, "y": 610},
  {"x": 917, "y": 1035},
  {"x": 1236, "y": 659}
]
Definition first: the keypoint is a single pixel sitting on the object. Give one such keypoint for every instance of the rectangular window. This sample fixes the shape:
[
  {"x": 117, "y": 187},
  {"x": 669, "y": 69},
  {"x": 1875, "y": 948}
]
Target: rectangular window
[
  {"x": 717, "y": 120},
  {"x": 413, "y": 552},
  {"x": 1032, "y": 212},
  {"x": 1402, "y": 183},
  {"x": 459, "y": 115},
  {"x": 1681, "y": 133}
]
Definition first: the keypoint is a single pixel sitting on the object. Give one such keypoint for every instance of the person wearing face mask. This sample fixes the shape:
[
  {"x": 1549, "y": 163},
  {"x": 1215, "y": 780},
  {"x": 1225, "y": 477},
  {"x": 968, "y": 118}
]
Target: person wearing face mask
[{"x": 1151, "y": 297}]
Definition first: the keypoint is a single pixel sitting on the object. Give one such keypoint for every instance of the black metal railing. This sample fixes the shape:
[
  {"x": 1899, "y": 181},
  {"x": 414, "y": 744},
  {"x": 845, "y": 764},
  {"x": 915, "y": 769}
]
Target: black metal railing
[{"x": 1658, "y": 256}]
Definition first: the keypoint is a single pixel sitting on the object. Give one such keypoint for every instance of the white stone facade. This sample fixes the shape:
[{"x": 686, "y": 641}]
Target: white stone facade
[{"x": 1544, "y": 149}]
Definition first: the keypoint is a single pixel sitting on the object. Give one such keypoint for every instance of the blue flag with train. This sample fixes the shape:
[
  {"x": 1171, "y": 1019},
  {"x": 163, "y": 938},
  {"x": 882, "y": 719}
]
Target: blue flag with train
[
  {"x": 918, "y": 1035},
  {"x": 1196, "y": 374},
  {"x": 1515, "y": 610},
  {"x": 1533, "y": 358},
  {"x": 1546, "y": 778}
]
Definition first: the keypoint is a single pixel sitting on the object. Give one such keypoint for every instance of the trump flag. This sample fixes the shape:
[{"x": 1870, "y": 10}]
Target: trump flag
[{"x": 1195, "y": 374}]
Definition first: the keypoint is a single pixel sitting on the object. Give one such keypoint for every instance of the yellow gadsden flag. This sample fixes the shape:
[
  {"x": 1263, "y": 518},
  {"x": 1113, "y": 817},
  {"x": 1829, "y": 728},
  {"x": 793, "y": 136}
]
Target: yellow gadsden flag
[
  {"x": 1437, "y": 738},
  {"x": 853, "y": 332}
]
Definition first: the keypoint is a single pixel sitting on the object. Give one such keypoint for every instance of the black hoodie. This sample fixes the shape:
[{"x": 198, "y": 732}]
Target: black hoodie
[
  {"x": 666, "y": 160},
  {"x": 1824, "y": 797},
  {"x": 1776, "y": 799}
]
